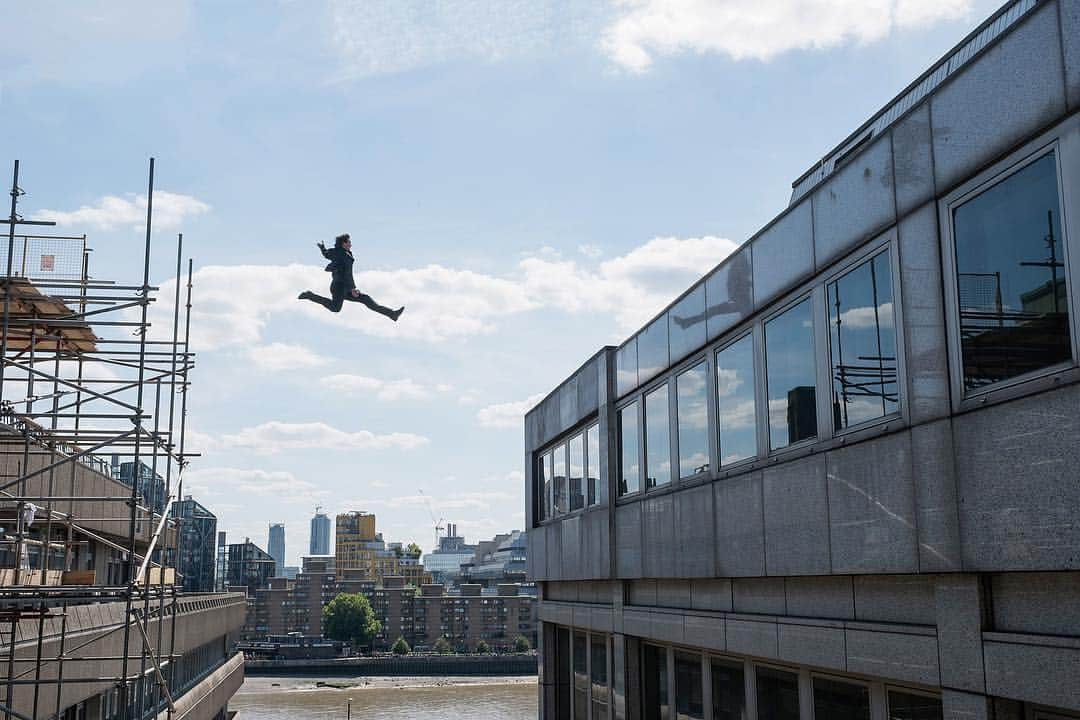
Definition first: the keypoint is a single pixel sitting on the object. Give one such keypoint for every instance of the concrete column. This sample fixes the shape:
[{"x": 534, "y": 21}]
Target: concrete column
[
  {"x": 956, "y": 705},
  {"x": 961, "y": 617}
]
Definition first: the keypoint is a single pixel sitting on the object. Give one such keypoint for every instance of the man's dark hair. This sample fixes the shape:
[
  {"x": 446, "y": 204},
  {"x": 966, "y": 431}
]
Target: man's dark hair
[{"x": 340, "y": 240}]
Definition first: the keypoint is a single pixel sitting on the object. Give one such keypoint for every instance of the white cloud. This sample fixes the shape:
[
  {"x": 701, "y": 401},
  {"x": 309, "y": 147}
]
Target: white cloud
[
  {"x": 387, "y": 390},
  {"x": 375, "y": 37},
  {"x": 111, "y": 211},
  {"x": 274, "y": 436},
  {"x": 275, "y": 483},
  {"x": 233, "y": 304},
  {"x": 508, "y": 414},
  {"x": 863, "y": 318},
  {"x": 282, "y": 356},
  {"x": 759, "y": 29},
  {"x": 590, "y": 251}
]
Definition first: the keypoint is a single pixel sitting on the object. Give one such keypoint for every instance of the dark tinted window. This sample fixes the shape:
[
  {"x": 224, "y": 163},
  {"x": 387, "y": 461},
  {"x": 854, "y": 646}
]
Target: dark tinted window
[
  {"x": 693, "y": 403},
  {"x": 777, "y": 694},
  {"x": 581, "y": 676},
  {"x": 599, "y": 673},
  {"x": 629, "y": 467},
  {"x": 907, "y": 706},
  {"x": 1011, "y": 280},
  {"x": 545, "y": 484},
  {"x": 689, "y": 700},
  {"x": 841, "y": 701},
  {"x": 862, "y": 342},
  {"x": 736, "y": 406},
  {"x": 657, "y": 438},
  {"x": 654, "y": 687},
  {"x": 789, "y": 376},
  {"x": 728, "y": 690}
]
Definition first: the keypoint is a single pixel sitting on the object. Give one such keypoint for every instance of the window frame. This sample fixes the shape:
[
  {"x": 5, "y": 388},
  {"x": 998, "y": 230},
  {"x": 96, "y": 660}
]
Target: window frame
[
  {"x": 1062, "y": 141},
  {"x": 815, "y": 294},
  {"x": 756, "y": 332},
  {"x": 872, "y": 700},
  {"x": 884, "y": 244},
  {"x": 636, "y": 399},
  {"x": 691, "y": 363}
]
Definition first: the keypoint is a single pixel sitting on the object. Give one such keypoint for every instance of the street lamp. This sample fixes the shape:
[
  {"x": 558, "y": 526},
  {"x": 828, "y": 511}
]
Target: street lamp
[{"x": 348, "y": 710}]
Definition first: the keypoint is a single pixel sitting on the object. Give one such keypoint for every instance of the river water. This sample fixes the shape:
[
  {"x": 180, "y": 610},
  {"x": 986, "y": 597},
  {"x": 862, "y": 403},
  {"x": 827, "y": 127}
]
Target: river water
[{"x": 398, "y": 698}]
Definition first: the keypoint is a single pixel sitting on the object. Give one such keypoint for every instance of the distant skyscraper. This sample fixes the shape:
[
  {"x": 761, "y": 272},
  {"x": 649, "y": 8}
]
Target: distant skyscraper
[
  {"x": 221, "y": 581},
  {"x": 320, "y": 534},
  {"x": 198, "y": 530},
  {"x": 276, "y": 546}
]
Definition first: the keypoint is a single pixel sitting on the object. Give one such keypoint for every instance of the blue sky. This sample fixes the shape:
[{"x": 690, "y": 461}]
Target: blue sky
[{"x": 531, "y": 179}]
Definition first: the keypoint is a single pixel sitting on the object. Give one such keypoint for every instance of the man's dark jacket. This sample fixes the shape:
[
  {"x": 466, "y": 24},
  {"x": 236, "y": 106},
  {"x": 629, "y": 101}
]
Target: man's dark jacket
[{"x": 341, "y": 262}]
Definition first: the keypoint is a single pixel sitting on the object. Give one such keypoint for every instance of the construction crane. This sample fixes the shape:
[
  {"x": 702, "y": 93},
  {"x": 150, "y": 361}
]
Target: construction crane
[{"x": 437, "y": 523}]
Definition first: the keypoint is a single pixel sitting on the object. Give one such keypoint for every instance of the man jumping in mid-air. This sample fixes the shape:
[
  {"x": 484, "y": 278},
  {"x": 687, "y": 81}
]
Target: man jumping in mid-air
[{"x": 342, "y": 284}]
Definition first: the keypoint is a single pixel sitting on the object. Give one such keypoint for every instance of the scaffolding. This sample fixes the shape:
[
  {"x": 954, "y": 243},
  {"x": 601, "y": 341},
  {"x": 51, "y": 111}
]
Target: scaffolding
[{"x": 81, "y": 379}]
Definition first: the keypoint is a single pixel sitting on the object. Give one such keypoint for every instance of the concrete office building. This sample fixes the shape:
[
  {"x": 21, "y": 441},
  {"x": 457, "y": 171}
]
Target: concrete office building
[
  {"x": 319, "y": 542},
  {"x": 444, "y": 562},
  {"x": 275, "y": 545},
  {"x": 839, "y": 476}
]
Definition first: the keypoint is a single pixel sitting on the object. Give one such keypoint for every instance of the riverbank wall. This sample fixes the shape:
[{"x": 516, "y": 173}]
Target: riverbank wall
[{"x": 407, "y": 665}]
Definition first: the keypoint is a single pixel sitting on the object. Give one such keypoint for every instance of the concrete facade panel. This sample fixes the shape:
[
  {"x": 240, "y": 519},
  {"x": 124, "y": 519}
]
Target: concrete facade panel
[
  {"x": 695, "y": 544},
  {"x": 783, "y": 254},
  {"x": 706, "y": 632},
  {"x": 813, "y": 645},
  {"x": 936, "y": 515},
  {"x": 820, "y": 597},
  {"x": 667, "y": 627},
  {"x": 711, "y": 594},
  {"x": 1034, "y": 673},
  {"x": 552, "y": 422},
  {"x": 854, "y": 203},
  {"x": 673, "y": 594},
  {"x": 686, "y": 324},
  {"x": 740, "y": 526},
  {"x": 553, "y": 549},
  {"x": 658, "y": 536},
  {"x": 628, "y": 540},
  {"x": 588, "y": 387},
  {"x": 796, "y": 518},
  {"x": 568, "y": 404},
  {"x": 872, "y": 507},
  {"x": 572, "y": 550},
  {"x": 596, "y": 548},
  {"x": 1037, "y": 603},
  {"x": 913, "y": 161},
  {"x": 925, "y": 349},
  {"x": 907, "y": 599},
  {"x": 759, "y": 595},
  {"x": 999, "y": 99},
  {"x": 641, "y": 592},
  {"x": 1070, "y": 34},
  {"x": 750, "y": 637},
  {"x": 729, "y": 293},
  {"x": 960, "y": 612},
  {"x": 911, "y": 658},
  {"x": 1016, "y": 466}
]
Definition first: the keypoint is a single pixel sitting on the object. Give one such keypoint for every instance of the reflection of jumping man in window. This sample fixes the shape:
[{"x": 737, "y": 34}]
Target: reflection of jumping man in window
[{"x": 739, "y": 294}]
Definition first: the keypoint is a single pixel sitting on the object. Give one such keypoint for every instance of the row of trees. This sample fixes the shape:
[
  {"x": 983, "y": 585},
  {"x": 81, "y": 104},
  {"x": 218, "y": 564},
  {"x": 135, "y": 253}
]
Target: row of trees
[{"x": 349, "y": 617}]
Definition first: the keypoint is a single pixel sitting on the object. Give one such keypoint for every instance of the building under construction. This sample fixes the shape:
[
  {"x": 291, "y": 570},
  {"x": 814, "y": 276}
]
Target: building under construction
[{"x": 94, "y": 622}]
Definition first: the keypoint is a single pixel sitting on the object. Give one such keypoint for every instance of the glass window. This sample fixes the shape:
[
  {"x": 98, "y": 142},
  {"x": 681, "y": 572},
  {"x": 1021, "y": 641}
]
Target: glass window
[
  {"x": 692, "y": 396},
  {"x": 545, "y": 486},
  {"x": 652, "y": 349},
  {"x": 777, "y": 694},
  {"x": 729, "y": 294},
  {"x": 581, "y": 675},
  {"x": 862, "y": 344},
  {"x": 657, "y": 438},
  {"x": 736, "y": 404},
  {"x": 629, "y": 467},
  {"x": 728, "y": 690},
  {"x": 654, "y": 686},
  {"x": 577, "y": 472},
  {"x": 908, "y": 706},
  {"x": 686, "y": 330},
  {"x": 840, "y": 700},
  {"x": 559, "y": 476},
  {"x": 599, "y": 673},
  {"x": 789, "y": 376},
  {"x": 626, "y": 367},
  {"x": 1011, "y": 277},
  {"x": 689, "y": 700},
  {"x": 592, "y": 453},
  {"x": 593, "y": 464}
]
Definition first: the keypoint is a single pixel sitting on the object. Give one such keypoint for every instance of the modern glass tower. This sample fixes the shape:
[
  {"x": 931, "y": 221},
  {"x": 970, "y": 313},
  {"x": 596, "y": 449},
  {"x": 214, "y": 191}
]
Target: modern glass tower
[
  {"x": 276, "y": 546},
  {"x": 320, "y": 534}
]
